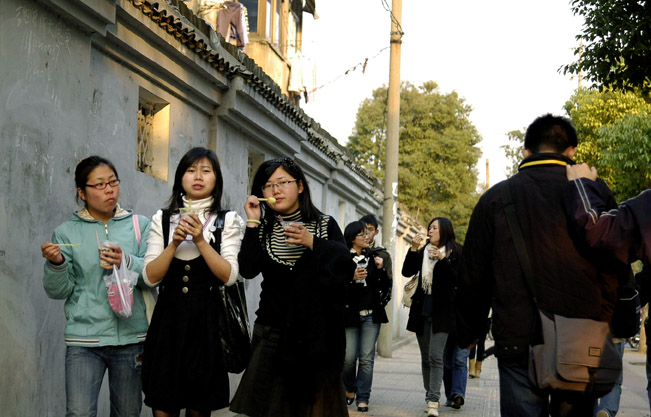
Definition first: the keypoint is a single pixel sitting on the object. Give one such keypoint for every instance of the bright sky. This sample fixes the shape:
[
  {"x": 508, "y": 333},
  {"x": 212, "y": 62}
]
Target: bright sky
[{"x": 501, "y": 56}]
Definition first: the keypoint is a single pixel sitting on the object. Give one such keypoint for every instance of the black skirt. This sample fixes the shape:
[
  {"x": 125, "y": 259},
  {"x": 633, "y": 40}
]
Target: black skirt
[
  {"x": 182, "y": 363},
  {"x": 267, "y": 391}
]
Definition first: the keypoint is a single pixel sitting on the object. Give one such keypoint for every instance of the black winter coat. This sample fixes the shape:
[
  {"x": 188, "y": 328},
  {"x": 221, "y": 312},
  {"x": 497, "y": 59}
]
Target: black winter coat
[
  {"x": 380, "y": 285},
  {"x": 570, "y": 280},
  {"x": 624, "y": 231},
  {"x": 443, "y": 288},
  {"x": 305, "y": 302}
]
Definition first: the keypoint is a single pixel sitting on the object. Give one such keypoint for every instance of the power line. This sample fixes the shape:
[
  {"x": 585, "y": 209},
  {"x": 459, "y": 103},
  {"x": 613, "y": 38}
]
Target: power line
[
  {"x": 351, "y": 69},
  {"x": 393, "y": 18}
]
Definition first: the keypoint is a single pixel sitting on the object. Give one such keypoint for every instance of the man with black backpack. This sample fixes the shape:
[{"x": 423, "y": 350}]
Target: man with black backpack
[{"x": 546, "y": 270}]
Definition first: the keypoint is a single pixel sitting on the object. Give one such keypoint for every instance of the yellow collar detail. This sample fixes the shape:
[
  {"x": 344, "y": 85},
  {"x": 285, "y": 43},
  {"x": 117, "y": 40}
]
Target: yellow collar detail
[{"x": 543, "y": 162}]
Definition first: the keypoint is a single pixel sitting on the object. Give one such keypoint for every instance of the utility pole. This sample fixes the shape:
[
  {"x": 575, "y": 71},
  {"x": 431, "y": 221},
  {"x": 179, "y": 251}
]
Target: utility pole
[
  {"x": 488, "y": 178},
  {"x": 390, "y": 211}
]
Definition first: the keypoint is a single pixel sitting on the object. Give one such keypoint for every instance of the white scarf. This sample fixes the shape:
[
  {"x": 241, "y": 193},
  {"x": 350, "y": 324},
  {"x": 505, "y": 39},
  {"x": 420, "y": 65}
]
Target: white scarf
[{"x": 427, "y": 270}]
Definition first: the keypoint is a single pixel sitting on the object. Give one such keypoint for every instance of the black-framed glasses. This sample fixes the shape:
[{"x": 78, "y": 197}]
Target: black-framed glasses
[
  {"x": 102, "y": 185},
  {"x": 281, "y": 185}
]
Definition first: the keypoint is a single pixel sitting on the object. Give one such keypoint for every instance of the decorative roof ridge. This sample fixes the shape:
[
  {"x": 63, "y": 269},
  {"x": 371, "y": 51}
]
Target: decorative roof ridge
[{"x": 239, "y": 64}]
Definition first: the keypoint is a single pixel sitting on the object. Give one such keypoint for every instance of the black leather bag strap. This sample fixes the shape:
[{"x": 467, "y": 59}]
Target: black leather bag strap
[{"x": 518, "y": 240}]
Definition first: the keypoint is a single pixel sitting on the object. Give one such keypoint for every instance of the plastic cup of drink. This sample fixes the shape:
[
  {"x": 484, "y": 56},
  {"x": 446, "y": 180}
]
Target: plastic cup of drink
[
  {"x": 185, "y": 215},
  {"x": 286, "y": 225},
  {"x": 363, "y": 264},
  {"x": 105, "y": 248}
]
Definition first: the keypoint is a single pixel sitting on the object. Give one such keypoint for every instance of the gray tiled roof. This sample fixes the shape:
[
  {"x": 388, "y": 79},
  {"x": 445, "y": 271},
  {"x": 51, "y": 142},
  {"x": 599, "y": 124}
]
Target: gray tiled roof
[{"x": 178, "y": 20}]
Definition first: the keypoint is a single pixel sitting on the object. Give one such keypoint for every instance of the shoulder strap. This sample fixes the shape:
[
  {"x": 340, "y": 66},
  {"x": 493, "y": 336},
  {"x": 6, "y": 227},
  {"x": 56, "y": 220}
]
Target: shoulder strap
[
  {"x": 136, "y": 228},
  {"x": 518, "y": 239},
  {"x": 165, "y": 222},
  {"x": 219, "y": 228}
]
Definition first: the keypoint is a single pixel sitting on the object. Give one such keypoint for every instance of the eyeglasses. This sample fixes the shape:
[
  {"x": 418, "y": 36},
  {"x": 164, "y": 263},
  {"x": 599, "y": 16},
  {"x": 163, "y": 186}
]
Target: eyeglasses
[
  {"x": 102, "y": 185},
  {"x": 363, "y": 234},
  {"x": 281, "y": 185}
]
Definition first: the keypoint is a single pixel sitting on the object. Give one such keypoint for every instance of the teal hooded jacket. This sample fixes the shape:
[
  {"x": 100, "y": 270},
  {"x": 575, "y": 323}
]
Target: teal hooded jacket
[{"x": 79, "y": 280}]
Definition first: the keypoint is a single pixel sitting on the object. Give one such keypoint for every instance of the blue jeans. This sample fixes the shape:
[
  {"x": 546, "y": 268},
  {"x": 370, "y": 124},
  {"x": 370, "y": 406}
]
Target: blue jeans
[
  {"x": 85, "y": 368},
  {"x": 455, "y": 368},
  {"x": 431, "y": 354},
  {"x": 610, "y": 401},
  {"x": 519, "y": 397},
  {"x": 360, "y": 346}
]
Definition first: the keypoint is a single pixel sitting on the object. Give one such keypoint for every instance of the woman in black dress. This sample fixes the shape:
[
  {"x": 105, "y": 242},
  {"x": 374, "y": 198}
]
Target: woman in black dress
[
  {"x": 192, "y": 250},
  {"x": 298, "y": 339}
]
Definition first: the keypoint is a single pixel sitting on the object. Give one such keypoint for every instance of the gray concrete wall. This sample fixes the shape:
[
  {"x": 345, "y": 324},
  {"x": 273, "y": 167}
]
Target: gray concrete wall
[{"x": 70, "y": 74}]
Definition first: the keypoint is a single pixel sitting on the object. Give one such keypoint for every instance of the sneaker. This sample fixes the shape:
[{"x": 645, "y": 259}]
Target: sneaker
[
  {"x": 448, "y": 403},
  {"x": 433, "y": 409},
  {"x": 457, "y": 401},
  {"x": 603, "y": 413}
]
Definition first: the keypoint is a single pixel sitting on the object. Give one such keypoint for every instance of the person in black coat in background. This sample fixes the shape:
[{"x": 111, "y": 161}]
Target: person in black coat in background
[
  {"x": 367, "y": 292},
  {"x": 432, "y": 315}
]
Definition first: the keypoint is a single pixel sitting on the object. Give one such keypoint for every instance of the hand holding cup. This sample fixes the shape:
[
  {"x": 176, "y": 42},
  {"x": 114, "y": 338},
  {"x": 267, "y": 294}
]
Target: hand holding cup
[
  {"x": 110, "y": 255},
  {"x": 415, "y": 243}
]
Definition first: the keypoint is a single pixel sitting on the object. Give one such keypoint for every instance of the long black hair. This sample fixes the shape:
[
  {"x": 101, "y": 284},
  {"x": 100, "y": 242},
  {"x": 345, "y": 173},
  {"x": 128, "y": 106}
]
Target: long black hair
[
  {"x": 447, "y": 237},
  {"x": 189, "y": 159},
  {"x": 85, "y": 167},
  {"x": 308, "y": 211},
  {"x": 352, "y": 230}
]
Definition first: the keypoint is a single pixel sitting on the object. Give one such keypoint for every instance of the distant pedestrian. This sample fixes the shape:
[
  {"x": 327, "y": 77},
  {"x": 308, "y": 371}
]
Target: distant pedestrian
[
  {"x": 478, "y": 354},
  {"x": 455, "y": 372},
  {"x": 431, "y": 315},
  {"x": 568, "y": 279},
  {"x": 188, "y": 258},
  {"x": 96, "y": 338},
  {"x": 299, "y": 337},
  {"x": 367, "y": 292},
  {"x": 373, "y": 228}
]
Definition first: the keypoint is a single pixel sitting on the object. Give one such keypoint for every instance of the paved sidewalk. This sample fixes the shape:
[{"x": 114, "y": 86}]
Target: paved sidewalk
[{"x": 398, "y": 388}]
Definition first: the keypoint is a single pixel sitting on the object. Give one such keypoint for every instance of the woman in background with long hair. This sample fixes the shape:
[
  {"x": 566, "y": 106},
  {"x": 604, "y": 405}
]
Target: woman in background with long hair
[{"x": 431, "y": 315}]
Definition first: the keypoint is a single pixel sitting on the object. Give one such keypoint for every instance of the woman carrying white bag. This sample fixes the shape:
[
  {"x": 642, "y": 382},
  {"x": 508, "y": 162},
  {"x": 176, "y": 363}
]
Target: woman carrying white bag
[{"x": 83, "y": 251}]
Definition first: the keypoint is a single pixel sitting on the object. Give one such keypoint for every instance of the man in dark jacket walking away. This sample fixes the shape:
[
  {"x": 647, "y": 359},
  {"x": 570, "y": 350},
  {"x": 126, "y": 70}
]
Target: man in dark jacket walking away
[{"x": 568, "y": 279}]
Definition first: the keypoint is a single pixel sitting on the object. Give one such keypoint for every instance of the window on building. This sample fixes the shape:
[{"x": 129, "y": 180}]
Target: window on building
[
  {"x": 255, "y": 160},
  {"x": 252, "y": 12},
  {"x": 341, "y": 213},
  {"x": 153, "y": 135},
  {"x": 278, "y": 23}
]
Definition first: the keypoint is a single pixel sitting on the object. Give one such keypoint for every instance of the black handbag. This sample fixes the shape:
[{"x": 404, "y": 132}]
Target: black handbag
[
  {"x": 234, "y": 328},
  {"x": 233, "y": 322}
]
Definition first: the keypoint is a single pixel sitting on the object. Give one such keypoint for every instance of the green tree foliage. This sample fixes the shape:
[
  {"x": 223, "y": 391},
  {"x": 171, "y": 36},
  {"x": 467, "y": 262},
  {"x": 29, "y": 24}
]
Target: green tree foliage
[
  {"x": 626, "y": 150},
  {"x": 438, "y": 153},
  {"x": 513, "y": 150},
  {"x": 591, "y": 110},
  {"x": 616, "y": 50}
]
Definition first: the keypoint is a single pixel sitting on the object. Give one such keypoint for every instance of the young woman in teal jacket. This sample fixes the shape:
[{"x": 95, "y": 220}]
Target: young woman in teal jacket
[{"x": 96, "y": 338}]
